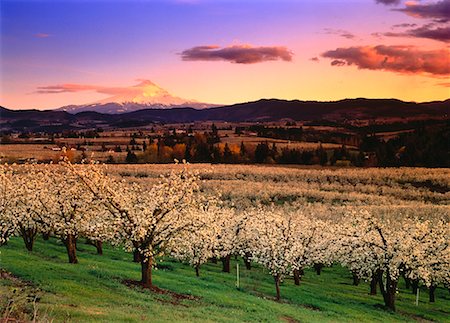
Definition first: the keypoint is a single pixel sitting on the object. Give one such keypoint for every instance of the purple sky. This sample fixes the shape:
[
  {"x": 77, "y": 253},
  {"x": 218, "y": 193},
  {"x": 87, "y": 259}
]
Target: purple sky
[{"x": 224, "y": 51}]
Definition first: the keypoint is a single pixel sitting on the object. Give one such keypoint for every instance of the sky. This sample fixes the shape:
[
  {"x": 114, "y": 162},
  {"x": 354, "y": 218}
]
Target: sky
[{"x": 61, "y": 52}]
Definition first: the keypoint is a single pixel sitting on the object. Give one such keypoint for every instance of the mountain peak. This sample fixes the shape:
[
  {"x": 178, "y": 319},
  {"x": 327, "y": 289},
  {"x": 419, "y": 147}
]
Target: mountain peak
[
  {"x": 144, "y": 95},
  {"x": 146, "y": 92}
]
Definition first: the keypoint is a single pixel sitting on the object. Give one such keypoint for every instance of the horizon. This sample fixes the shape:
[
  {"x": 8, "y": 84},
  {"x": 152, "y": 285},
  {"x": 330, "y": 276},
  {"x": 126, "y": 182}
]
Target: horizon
[
  {"x": 223, "y": 52},
  {"x": 222, "y": 105}
]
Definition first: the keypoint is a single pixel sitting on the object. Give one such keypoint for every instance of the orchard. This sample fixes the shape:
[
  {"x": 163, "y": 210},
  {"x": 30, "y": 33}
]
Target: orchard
[{"x": 177, "y": 216}]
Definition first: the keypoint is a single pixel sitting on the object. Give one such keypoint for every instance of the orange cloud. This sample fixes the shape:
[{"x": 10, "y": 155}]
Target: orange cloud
[
  {"x": 239, "y": 54},
  {"x": 401, "y": 59}
]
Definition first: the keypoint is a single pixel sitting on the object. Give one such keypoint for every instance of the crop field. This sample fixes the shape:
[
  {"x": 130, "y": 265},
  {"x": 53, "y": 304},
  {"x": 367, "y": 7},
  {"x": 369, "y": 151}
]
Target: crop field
[
  {"x": 157, "y": 243},
  {"x": 413, "y": 187}
]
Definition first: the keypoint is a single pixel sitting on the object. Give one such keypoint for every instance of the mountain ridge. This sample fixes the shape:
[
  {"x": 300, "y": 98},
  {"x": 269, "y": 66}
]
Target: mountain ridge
[{"x": 264, "y": 110}]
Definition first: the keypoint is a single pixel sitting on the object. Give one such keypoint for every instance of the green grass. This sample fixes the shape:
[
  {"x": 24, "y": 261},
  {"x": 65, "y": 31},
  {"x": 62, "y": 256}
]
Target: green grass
[{"x": 92, "y": 291}]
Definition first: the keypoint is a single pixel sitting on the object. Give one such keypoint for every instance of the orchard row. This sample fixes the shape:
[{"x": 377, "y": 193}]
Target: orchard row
[{"x": 177, "y": 217}]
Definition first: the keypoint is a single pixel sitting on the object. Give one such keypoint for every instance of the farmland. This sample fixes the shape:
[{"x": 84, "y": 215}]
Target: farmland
[
  {"x": 116, "y": 143},
  {"x": 412, "y": 187},
  {"x": 277, "y": 142}
]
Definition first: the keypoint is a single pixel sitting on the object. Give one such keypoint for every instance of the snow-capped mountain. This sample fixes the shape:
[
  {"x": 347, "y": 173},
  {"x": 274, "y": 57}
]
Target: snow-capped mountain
[{"x": 145, "y": 95}]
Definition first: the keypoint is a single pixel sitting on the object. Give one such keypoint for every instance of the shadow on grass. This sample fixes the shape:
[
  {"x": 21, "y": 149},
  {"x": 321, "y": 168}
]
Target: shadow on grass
[{"x": 173, "y": 297}]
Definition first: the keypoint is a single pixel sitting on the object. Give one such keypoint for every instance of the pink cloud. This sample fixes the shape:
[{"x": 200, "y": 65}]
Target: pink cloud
[{"x": 72, "y": 87}]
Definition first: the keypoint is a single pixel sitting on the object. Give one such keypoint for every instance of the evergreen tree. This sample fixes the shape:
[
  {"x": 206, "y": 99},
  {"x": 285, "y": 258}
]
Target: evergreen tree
[
  {"x": 243, "y": 150},
  {"x": 131, "y": 157},
  {"x": 227, "y": 154},
  {"x": 262, "y": 151}
]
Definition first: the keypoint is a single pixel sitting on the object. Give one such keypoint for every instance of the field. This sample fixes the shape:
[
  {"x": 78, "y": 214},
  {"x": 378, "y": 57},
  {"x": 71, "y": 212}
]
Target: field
[
  {"x": 94, "y": 291},
  {"x": 100, "y": 146},
  {"x": 409, "y": 205},
  {"x": 412, "y": 187},
  {"x": 14, "y": 153}
]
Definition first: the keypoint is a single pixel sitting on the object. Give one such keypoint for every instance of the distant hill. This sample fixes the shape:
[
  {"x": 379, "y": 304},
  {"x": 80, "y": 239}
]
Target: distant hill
[{"x": 345, "y": 111}]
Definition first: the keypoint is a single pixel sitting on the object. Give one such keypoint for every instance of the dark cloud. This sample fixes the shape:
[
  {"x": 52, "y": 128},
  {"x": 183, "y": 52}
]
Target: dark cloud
[
  {"x": 338, "y": 62},
  {"x": 314, "y": 59},
  {"x": 439, "y": 11},
  {"x": 340, "y": 32},
  {"x": 429, "y": 31},
  {"x": 377, "y": 35},
  {"x": 388, "y": 2},
  {"x": 401, "y": 59},
  {"x": 405, "y": 25},
  {"x": 239, "y": 54}
]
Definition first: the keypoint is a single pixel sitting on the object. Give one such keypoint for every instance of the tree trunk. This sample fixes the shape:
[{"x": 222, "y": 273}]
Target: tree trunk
[
  {"x": 277, "y": 286},
  {"x": 432, "y": 296},
  {"x": 318, "y": 268},
  {"x": 214, "y": 260},
  {"x": 355, "y": 279},
  {"x": 28, "y": 235},
  {"x": 392, "y": 290},
  {"x": 388, "y": 290},
  {"x": 247, "y": 261},
  {"x": 296, "y": 277},
  {"x": 136, "y": 256},
  {"x": 415, "y": 286},
  {"x": 46, "y": 236},
  {"x": 99, "y": 246},
  {"x": 226, "y": 264},
  {"x": 146, "y": 271},
  {"x": 373, "y": 285},
  {"x": 197, "y": 270},
  {"x": 71, "y": 246}
]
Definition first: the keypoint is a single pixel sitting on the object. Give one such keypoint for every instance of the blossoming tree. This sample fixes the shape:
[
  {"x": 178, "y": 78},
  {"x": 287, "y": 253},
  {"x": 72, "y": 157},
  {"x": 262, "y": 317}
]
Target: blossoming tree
[
  {"x": 70, "y": 207},
  {"x": 8, "y": 222},
  {"x": 272, "y": 240},
  {"x": 147, "y": 219}
]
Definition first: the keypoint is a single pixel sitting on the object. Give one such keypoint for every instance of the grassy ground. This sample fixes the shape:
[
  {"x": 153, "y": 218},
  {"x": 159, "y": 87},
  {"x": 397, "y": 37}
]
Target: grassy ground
[{"x": 93, "y": 291}]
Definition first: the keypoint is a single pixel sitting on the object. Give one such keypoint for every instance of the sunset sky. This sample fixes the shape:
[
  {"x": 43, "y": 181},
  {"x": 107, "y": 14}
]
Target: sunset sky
[{"x": 55, "y": 53}]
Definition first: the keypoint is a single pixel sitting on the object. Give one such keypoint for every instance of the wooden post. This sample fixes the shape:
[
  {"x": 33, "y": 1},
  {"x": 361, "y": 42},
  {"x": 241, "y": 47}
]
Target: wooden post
[{"x": 417, "y": 297}]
